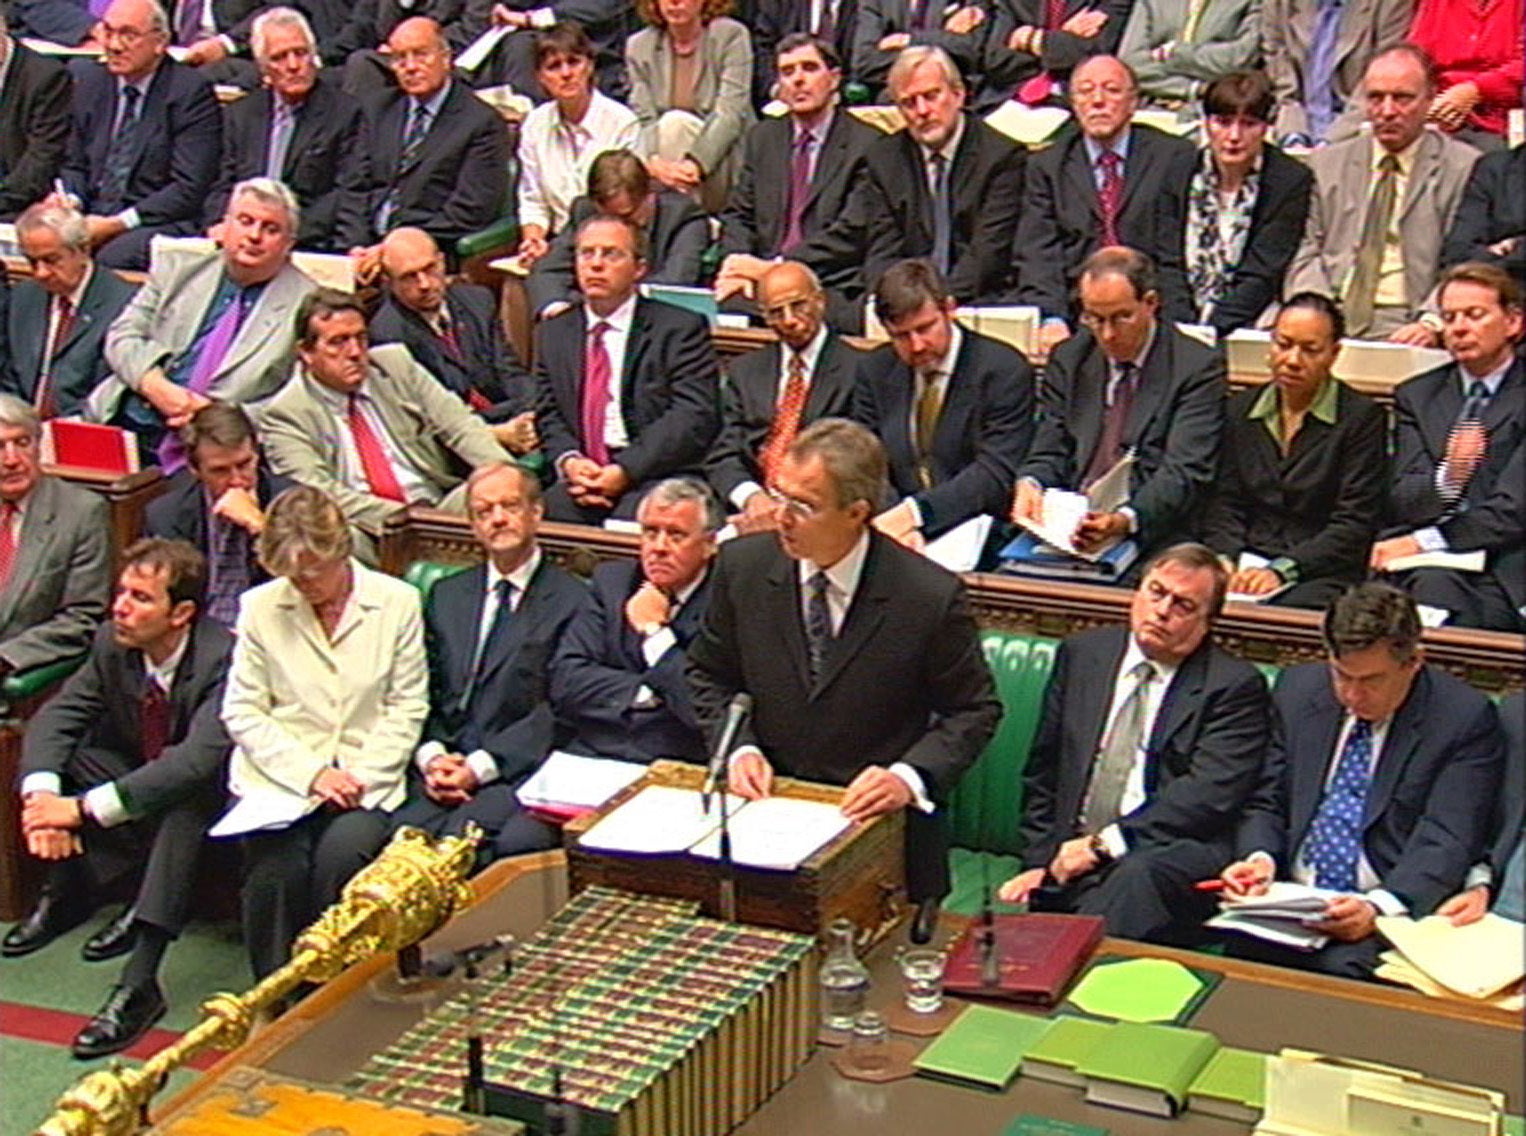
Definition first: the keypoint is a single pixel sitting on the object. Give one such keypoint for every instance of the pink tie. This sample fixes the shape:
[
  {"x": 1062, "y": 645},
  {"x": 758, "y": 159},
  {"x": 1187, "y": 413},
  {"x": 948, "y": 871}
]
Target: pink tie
[
  {"x": 799, "y": 190},
  {"x": 596, "y": 378},
  {"x": 380, "y": 475}
]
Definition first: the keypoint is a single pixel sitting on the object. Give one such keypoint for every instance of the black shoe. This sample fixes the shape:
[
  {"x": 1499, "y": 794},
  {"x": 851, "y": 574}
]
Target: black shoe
[
  {"x": 113, "y": 939},
  {"x": 49, "y": 919},
  {"x": 127, "y": 1015}
]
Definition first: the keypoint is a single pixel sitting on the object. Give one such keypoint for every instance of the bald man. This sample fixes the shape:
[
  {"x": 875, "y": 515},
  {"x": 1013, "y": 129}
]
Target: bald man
[
  {"x": 773, "y": 393},
  {"x": 452, "y": 330},
  {"x": 143, "y": 158},
  {"x": 433, "y": 154}
]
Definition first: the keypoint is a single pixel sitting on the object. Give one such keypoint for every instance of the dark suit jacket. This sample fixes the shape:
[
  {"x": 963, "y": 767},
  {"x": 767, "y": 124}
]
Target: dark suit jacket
[
  {"x": 70, "y": 21},
  {"x": 177, "y": 144},
  {"x": 676, "y": 243},
  {"x": 487, "y": 364},
  {"x": 322, "y": 158},
  {"x": 1432, "y": 794},
  {"x": 365, "y": 25},
  {"x": 34, "y": 128},
  {"x": 509, "y": 716},
  {"x": 1319, "y": 505},
  {"x": 1492, "y": 515},
  {"x": 1490, "y": 211},
  {"x": 889, "y": 214},
  {"x": 1276, "y": 229},
  {"x": 1062, "y": 222},
  {"x": 904, "y": 680},
  {"x": 599, "y": 668},
  {"x": 757, "y": 211},
  {"x": 1173, "y": 428},
  {"x": 99, "y": 708},
  {"x": 180, "y": 513},
  {"x": 770, "y": 21},
  {"x": 1202, "y": 760},
  {"x": 750, "y": 398},
  {"x": 669, "y": 393},
  {"x": 877, "y": 19},
  {"x": 983, "y": 432},
  {"x": 607, "y": 23},
  {"x": 455, "y": 184},
  {"x": 80, "y": 365},
  {"x": 1511, "y": 815},
  {"x": 1006, "y": 70}
]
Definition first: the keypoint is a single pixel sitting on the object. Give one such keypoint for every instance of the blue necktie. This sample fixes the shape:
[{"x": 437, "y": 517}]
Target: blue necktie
[
  {"x": 1476, "y": 402},
  {"x": 1319, "y": 80},
  {"x": 1335, "y": 836},
  {"x": 119, "y": 155}
]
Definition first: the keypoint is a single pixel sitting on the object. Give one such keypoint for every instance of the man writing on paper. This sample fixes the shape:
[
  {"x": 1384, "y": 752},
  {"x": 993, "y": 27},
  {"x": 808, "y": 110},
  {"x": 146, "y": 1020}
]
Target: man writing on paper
[
  {"x": 861, "y": 657},
  {"x": 490, "y": 633},
  {"x": 1380, "y": 785},
  {"x": 1150, "y": 741},
  {"x": 1128, "y": 384}
]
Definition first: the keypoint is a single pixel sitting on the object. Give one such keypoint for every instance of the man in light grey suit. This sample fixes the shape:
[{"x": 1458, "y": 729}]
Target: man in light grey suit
[
  {"x": 1383, "y": 272},
  {"x": 53, "y": 555},
  {"x": 216, "y": 326},
  {"x": 368, "y": 425},
  {"x": 1178, "y": 47},
  {"x": 1315, "y": 52}
]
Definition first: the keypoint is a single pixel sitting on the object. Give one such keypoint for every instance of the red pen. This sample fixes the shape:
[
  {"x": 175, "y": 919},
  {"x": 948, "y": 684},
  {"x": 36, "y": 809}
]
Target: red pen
[{"x": 1208, "y": 885}]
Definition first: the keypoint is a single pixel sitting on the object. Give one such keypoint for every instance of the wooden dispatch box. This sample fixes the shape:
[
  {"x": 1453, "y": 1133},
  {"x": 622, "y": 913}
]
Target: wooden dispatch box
[{"x": 861, "y": 875}]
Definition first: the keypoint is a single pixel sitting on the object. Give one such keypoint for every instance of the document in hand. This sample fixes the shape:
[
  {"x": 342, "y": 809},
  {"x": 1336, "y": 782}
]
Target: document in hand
[
  {"x": 1063, "y": 509},
  {"x": 1476, "y": 961},
  {"x": 1280, "y": 916}
]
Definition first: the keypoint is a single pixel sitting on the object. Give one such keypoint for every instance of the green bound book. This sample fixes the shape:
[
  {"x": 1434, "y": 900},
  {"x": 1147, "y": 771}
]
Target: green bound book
[
  {"x": 1065, "y": 1044},
  {"x": 1032, "y": 1124},
  {"x": 1146, "y": 1067},
  {"x": 1231, "y": 1085},
  {"x": 983, "y": 1047}
]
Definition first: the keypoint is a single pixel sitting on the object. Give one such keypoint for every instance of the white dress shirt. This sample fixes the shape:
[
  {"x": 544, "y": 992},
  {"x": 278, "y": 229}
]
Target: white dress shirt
[{"x": 555, "y": 155}]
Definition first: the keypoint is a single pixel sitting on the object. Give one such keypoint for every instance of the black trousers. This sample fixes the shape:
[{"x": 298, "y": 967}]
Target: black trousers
[
  {"x": 1475, "y": 599},
  {"x": 1344, "y": 960},
  {"x": 1148, "y": 894},
  {"x": 290, "y": 876},
  {"x": 507, "y": 829}
]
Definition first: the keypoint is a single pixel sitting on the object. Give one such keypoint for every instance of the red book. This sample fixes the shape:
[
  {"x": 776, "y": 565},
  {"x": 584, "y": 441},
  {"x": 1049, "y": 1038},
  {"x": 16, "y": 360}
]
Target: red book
[
  {"x": 86, "y": 445},
  {"x": 1038, "y": 956}
]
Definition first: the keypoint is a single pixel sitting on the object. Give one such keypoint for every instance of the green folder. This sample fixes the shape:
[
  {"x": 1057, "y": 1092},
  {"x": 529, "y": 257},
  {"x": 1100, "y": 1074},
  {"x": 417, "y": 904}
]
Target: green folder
[
  {"x": 1146, "y": 1067},
  {"x": 982, "y": 1048},
  {"x": 1065, "y": 1044},
  {"x": 1231, "y": 1085},
  {"x": 1032, "y": 1124}
]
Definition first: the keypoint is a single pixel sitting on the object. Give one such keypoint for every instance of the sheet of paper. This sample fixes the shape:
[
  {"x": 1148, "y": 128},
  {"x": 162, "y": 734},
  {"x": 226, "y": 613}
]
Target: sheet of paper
[
  {"x": 1283, "y": 899},
  {"x": 1394, "y": 967},
  {"x": 660, "y": 818},
  {"x": 1062, "y": 512},
  {"x": 1026, "y": 125},
  {"x": 1457, "y": 561},
  {"x": 776, "y": 832},
  {"x": 262, "y": 812},
  {"x": 582, "y": 782},
  {"x": 475, "y": 54},
  {"x": 1478, "y": 960},
  {"x": 1432, "y": 616},
  {"x": 1110, "y": 492},
  {"x": 958, "y": 550},
  {"x": 1283, "y": 932}
]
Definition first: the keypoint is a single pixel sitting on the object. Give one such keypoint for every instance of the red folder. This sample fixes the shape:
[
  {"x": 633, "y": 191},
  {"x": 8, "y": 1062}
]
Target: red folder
[
  {"x": 1039, "y": 955},
  {"x": 86, "y": 445}
]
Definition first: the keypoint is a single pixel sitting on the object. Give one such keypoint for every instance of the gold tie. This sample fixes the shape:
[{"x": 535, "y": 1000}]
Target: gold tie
[
  {"x": 1362, "y": 290},
  {"x": 929, "y": 406}
]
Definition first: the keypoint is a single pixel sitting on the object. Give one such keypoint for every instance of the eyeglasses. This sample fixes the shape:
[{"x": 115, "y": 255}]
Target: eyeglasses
[
  {"x": 801, "y": 510},
  {"x": 1111, "y": 322}
]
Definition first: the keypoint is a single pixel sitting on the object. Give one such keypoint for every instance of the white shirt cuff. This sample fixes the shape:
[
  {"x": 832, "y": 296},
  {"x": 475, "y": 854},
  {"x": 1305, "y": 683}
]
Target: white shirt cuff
[
  {"x": 130, "y": 218},
  {"x": 104, "y": 804},
  {"x": 1480, "y": 874},
  {"x": 542, "y": 18},
  {"x": 743, "y": 493},
  {"x": 427, "y": 753},
  {"x": 1133, "y": 517},
  {"x": 916, "y": 510},
  {"x": 657, "y": 644},
  {"x": 1386, "y": 902},
  {"x": 645, "y": 698},
  {"x": 913, "y": 781},
  {"x": 1430, "y": 539},
  {"x": 41, "y": 782},
  {"x": 481, "y": 763},
  {"x": 741, "y": 751},
  {"x": 1267, "y": 857},
  {"x": 1117, "y": 846}
]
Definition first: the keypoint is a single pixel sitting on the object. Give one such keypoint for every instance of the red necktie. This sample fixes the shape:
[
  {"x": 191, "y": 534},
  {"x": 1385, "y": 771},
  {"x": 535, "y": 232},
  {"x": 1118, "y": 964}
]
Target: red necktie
[
  {"x": 380, "y": 475},
  {"x": 1036, "y": 91},
  {"x": 596, "y": 378},
  {"x": 46, "y": 404},
  {"x": 786, "y": 419},
  {"x": 1115, "y": 421},
  {"x": 154, "y": 720},
  {"x": 1110, "y": 196},
  {"x": 7, "y": 540}
]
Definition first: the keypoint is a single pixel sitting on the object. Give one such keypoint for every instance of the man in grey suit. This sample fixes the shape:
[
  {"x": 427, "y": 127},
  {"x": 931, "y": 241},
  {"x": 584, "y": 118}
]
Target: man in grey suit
[
  {"x": 216, "y": 326},
  {"x": 1177, "y": 47},
  {"x": 51, "y": 340},
  {"x": 368, "y": 425},
  {"x": 53, "y": 554},
  {"x": 1382, "y": 206}
]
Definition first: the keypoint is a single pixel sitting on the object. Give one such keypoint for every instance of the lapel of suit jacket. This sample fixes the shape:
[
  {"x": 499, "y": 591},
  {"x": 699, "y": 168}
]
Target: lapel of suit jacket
[
  {"x": 865, "y": 615},
  {"x": 305, "y": 123},
  {"x": 1506, "y": 403},
  {"x": 919, "y": 217},
  {"x": 153, "y": 99},
  {"x": 1142, "y": 159},
  {"x": 1087, "y": 401},
  {"x": 1100, "y": 694},
  {"x": 960, "y": 395},
  {"x": 1154, "y": 380},
  {"x": 184, "y": 680},
  {"x": 783, "y": 584},
  {"x": 834, "y": 372},
  {"x": 464, "y": 614},
  {"x": 1398, "y": 747},
  {"x": 828, "y": 155},
  {"x": 1078, "y": 177},
  {"x": 39, "y": 524},
  {"x": 89, "y": 304},
  {"x": 636, "y": 344},
  {"x": 895, "y": 425},
  {"x": 1309, "y": 766},
  {"x": 1440, "y": 411},
  {"x": 29, "y": 311},
  {"x": 1181, "y": 700},
  {"x": 404, "y": 418}
]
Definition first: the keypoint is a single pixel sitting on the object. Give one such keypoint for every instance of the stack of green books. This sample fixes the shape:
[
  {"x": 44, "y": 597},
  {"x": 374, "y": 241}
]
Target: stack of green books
[
  {"x": 1058, "y": 1054},
  {"x": 1146, "y": 1067},
  {"x": 982, "y": 1047},
  {"x": 1231, "y": 1085}
]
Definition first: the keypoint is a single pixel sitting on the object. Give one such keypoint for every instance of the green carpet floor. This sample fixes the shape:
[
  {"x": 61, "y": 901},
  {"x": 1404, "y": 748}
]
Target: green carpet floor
[{"x": 206, "y": 959}]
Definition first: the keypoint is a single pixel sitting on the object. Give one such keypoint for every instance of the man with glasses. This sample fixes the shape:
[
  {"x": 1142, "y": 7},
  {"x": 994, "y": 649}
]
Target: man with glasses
[
  {"x": 490, "y": 633},
  {"x": 773, "y": 393},
  {"x": 1129, "y": 384},
  {"x": 147, "y": 135},
  {"x": 1150, "y": 741},
  {"x": 626, "y": 388},
  {"x": 861, "y": 657},
  {"x": 433, "y": 155}
]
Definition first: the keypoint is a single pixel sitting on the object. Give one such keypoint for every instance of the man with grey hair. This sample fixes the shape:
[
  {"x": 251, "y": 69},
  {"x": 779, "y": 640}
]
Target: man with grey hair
[
  {"x": 34, "y": 123},
  {"x": 861, "y": 656},
  {"x": 947, "y": 188},
  {"x": 54, "y": 560},
  {"x": 52, "y": 337},
  {"x": 298, "y": 128},
  {"x": 490, "y": 633},
  {"x": 617, "y": 684},
  {"x": 147, "y": 133},
  {"x": 209, "y": 326}
]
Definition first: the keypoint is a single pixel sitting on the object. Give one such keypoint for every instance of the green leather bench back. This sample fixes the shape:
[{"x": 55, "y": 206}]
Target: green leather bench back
[{"x": 425, "y": 574}]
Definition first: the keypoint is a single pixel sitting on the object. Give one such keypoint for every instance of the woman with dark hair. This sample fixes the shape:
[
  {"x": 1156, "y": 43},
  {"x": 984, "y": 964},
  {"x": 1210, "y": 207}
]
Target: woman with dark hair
[
  {"x": 1246, "y": 206},
  {"x": 1302, "y": 469},
  {"x": 690, "y": 76}
]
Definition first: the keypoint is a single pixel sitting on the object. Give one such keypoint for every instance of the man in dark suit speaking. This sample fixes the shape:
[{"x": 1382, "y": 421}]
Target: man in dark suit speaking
[{"x": 861, "y": 657}]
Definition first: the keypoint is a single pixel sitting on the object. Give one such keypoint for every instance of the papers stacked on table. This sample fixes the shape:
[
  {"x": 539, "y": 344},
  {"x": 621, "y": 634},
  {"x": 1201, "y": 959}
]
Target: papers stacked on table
[
  {"x": 1283, "y": 914},
  {"x": 1484, "y": 961},
  {"x": 569, "y": 783}
]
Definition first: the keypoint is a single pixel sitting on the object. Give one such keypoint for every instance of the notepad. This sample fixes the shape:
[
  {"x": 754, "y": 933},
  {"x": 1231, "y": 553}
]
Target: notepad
[
  {"x": 983, "y": 1047},
  {"x": 780, "y": 833},
  {"x": 573, "y": 781}
]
